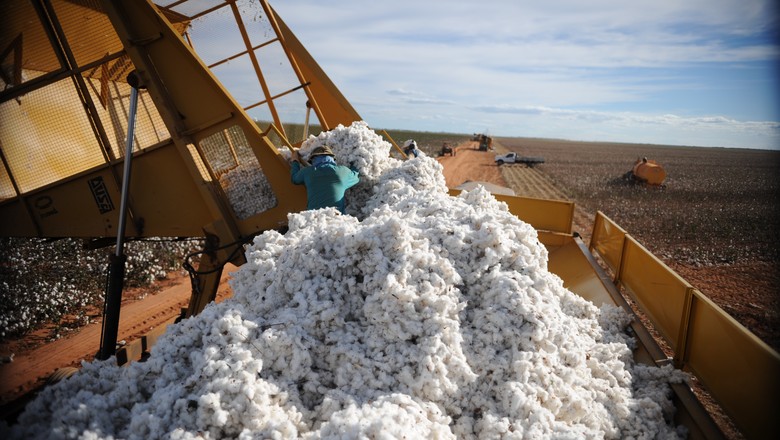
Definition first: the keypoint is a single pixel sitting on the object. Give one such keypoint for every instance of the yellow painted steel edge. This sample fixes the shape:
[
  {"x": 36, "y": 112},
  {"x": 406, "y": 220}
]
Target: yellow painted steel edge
[
  {"x": 86, "y": 204},
  {"x": 607, "y": 241},
  {"x": 392, "y": 142},
  {"x": 740, "y": 370},
  {"x": 567, "y": 261},
  {"x": 660, "y": 291}
]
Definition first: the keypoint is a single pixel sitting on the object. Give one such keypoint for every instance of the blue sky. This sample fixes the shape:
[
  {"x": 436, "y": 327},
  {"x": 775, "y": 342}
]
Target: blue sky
[{"x": 685, "y": 72}]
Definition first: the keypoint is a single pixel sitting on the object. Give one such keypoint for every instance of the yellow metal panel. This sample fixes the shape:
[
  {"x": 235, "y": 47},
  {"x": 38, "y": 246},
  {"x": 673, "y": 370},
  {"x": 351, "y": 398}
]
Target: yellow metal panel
[
  {"x": 740, "y": 370},
  {"x": 659, "y": 290},
  {"x": 580, "y": 273},
  {"x": 544, "y": 214},
  {"x": 48, "y": 136},
  {"x": 172, "y": 72},
  {"x": 569, "y": 263},
  {"x": 553, "y": 240},
  {"x": 85, "y": 206},
  {"x": 550, "y": 215},
  {"x": 607, "y": 241},
  {"x": 168, "y": 202},
  {"x": 168, "y": 198}
]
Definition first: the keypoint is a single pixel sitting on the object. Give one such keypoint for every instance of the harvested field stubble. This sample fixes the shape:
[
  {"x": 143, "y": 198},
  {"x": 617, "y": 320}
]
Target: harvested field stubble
[
  {"x": 716, "y": 205},
  {"x": 715, "y": 221}
]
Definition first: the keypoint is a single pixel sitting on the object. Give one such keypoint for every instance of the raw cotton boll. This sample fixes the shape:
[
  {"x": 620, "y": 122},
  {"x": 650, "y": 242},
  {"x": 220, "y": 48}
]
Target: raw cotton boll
[
  {"x": 356, "y": 146},
  {"x": 649, "y": 383},
  {"x": 88, "y": 389},
  {"x": 393, "y": 416},
  {"x": 400, "y": 182}
]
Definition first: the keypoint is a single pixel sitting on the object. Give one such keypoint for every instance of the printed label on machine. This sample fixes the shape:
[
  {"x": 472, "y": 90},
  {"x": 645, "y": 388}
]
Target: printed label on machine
[{"x": 100, "y": 192}]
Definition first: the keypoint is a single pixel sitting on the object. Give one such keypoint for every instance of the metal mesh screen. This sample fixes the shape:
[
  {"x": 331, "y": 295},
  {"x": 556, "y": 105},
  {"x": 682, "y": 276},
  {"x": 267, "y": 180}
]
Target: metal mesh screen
[
  {"x": 106, "y": 82},
  {"x": 86, "y": 47},
  {"x": 111, "y": 94},
  {"x": 6, "y": 187},
  {"x": 26, "y": 43},
  {"x": 219, "y": 151},
  {"x": 48, "y": 137},
  {"x": 204, "y": 172},
  {"x": 47, "y": 134},
  {"x": 240, "y": 175}
]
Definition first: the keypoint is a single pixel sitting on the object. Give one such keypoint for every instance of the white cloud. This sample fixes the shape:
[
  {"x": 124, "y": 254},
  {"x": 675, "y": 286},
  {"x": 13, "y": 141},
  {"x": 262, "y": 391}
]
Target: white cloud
[
  {"x": 421, "y": 61},
  {"x": 417, "y": 97},
  {"x": 637, "y": 118}
]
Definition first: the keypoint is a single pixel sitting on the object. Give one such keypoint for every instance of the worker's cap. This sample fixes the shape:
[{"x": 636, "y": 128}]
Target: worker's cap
[
  {"x": 410, "y": 143},
  {"x": 322, "y": 151}
]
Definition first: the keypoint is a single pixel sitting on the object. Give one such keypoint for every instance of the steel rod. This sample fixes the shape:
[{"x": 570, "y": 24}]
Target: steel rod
[{"x": 116, "y": 273}]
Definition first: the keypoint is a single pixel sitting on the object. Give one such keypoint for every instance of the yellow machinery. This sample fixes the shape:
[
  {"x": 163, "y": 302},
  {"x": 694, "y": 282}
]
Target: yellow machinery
[
  {"x": 648, "y": 172},
  {"x": 73, "y": 73}
]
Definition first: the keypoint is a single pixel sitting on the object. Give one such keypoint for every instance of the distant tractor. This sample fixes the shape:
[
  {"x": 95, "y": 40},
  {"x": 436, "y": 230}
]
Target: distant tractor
[
  {"x": 485, "y": 143},
  {"x": 447, "y": 149},
  {"x": 648, "y": 172}
]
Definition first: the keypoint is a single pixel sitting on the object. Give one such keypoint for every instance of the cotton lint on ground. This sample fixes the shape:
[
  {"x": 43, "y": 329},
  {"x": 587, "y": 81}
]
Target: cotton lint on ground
[{"x": 420, "y": 315}]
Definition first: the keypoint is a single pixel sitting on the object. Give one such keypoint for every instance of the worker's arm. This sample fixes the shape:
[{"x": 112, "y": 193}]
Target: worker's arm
[
  {"x": 351, "y": 177},
  {"x": 297, "y": 173}
]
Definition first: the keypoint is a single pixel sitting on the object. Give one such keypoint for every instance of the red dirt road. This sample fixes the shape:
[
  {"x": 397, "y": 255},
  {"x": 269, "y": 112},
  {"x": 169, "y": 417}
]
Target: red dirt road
[{"x": 470, "y": 164}]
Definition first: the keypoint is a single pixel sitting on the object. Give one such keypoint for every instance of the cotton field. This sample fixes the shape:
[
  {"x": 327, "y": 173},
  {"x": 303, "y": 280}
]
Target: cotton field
[
  {"x": 69, "y": 280},
  {"x": 418, "y": 315}
]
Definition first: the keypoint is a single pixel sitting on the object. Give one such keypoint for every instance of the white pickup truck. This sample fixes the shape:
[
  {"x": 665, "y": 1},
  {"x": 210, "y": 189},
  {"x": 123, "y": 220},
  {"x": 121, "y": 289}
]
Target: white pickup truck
[{"x": 515, "y": 158}]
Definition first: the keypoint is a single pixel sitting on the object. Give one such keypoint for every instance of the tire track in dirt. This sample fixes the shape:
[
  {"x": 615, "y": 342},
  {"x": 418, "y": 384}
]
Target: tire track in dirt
[{"x": 529, "y": 182}]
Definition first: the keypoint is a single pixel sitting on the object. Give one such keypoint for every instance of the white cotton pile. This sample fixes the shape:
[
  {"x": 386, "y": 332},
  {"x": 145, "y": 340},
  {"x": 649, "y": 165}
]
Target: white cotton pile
[
  {"x": 430, "y": 317},
  {"x": 247, "y": 189}
]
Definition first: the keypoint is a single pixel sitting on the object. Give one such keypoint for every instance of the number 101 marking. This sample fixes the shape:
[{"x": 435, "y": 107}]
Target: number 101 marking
[{"x": 45, "y": 206}]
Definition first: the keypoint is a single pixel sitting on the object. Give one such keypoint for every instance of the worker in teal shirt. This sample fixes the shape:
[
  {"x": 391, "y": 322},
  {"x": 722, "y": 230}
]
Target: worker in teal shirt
[{"x": 325, "y": 181}]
